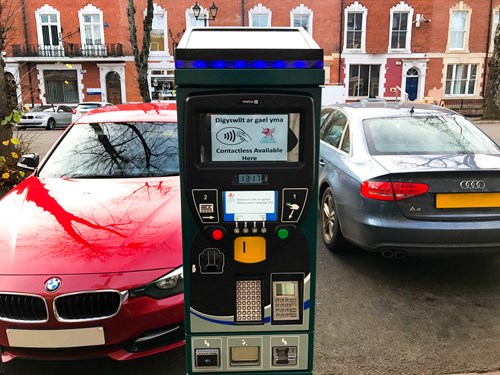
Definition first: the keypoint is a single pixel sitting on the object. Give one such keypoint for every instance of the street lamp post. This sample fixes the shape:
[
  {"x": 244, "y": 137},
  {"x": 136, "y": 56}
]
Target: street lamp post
[{"x": 213, "y": 13}]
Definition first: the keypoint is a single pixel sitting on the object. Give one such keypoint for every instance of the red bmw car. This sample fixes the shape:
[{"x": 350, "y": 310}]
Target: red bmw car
[{"x": 90, "y": 243}]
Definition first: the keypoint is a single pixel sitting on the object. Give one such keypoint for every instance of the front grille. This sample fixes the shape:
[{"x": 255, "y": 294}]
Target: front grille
[
  {"x": 87, "y": 305},
  {"x": 22, "y": 308}
]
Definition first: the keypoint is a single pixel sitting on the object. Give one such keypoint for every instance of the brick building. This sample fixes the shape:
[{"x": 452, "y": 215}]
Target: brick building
[{"x": 79, "y": 50}]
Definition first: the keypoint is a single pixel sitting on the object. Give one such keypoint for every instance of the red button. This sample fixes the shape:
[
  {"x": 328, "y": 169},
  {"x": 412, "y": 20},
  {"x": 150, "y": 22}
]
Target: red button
[{"x": 217, "y": 234}]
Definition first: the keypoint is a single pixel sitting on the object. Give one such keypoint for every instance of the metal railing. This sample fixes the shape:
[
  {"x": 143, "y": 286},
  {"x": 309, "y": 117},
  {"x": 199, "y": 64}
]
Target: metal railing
[{"x": 67, "y": 50}]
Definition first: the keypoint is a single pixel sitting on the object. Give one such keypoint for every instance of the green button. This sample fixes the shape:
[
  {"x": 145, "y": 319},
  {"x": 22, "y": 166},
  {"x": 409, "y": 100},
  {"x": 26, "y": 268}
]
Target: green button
[{"x": 283, "y": 233}]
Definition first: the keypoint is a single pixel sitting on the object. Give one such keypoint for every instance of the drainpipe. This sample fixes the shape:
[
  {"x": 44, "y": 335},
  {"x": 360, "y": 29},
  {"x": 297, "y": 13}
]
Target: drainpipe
[
  {"x": 488, "y": 39},
  {"x": 341, "y": 38},
  {"x": 25, "y": 27},
  {"x": 242, "y": 12}
]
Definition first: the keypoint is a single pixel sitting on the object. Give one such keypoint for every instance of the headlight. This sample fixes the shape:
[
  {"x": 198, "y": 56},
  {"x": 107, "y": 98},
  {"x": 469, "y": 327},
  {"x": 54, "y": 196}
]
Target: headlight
[
  {"x": 166, "y": 286},
  {"x": 39, "y": 117}
]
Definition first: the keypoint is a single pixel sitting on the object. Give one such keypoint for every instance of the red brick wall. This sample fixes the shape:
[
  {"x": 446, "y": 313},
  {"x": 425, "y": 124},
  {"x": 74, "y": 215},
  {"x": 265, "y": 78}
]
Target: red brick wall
[{"x": 327, "y": 16}]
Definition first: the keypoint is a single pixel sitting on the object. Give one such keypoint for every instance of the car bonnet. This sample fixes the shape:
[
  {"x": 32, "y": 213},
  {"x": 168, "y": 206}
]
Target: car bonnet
[{"x": 57, "y": 226}]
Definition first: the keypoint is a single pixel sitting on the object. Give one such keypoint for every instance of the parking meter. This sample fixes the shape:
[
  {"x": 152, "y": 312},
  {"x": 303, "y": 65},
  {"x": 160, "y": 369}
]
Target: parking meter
[{"x": 248, "y": 105}]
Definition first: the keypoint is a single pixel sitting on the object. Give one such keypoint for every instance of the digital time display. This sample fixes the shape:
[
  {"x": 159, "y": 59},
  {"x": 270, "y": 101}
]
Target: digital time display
[{"x": 251, "y": 179}]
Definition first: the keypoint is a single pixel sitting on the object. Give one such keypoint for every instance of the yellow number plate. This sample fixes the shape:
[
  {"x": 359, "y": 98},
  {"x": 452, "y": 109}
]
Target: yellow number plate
[{"x": 468, "y": 200}]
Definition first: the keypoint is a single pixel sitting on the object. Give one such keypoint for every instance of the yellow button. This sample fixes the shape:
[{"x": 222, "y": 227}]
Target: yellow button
[{"x": 250, "y": 249}]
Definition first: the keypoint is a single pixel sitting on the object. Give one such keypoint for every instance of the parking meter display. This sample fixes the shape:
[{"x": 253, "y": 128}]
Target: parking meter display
[{"x": 249, "y": 137}]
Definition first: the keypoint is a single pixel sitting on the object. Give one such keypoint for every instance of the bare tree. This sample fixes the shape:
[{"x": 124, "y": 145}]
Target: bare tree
[
  {"x": 141, "y": 56},
  {"x": 492, "y": 109},
  {"x": 9, "y": 176},
  {"x": 7, "y": 15}
]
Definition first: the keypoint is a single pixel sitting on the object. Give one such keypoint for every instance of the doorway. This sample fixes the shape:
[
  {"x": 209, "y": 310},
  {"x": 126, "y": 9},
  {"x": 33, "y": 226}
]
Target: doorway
[
  {"x": 412, "y": 84},
  {"x": 113, "y": 88}
]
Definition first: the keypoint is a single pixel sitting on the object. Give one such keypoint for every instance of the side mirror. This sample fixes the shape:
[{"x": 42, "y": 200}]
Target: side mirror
[{"x": 29, "y": 161}]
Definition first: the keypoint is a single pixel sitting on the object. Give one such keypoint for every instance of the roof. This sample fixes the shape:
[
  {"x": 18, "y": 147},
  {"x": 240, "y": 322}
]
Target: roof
[
  {"x": 382, "y": 109},
  {"x": 152, "y": 112}
]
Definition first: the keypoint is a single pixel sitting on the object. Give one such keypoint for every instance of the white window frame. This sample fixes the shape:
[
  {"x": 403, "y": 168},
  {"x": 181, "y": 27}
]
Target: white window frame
[
  {"x": 402, "y": 7},
  {"x": 356, "y": 7},
  {"x": 494, "y": 22},
  {"x": 259, "y": 10},
  {"x": 40, "y": 75},
  {"x": 191, "y": 20},
  {"x": 93, "y": 48},
  {"x": 159, "y": 11},
  {"x": 52, "y": 50},
  {"x": 302, "y": 10},
  {"x": 454, "y": 80},
  {"x": 460, "y": 7},
  {"x": 90, "y": 10}
]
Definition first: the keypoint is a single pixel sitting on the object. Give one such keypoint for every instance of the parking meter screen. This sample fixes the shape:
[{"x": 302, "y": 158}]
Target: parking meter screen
[
  {"x": 250, "y": 137},
  {"x": 241, "y": 206}
]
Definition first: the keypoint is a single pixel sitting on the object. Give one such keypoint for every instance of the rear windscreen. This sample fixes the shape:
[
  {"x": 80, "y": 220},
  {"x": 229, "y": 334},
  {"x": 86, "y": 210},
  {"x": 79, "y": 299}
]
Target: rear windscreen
[{"x": 425, "y": 135}]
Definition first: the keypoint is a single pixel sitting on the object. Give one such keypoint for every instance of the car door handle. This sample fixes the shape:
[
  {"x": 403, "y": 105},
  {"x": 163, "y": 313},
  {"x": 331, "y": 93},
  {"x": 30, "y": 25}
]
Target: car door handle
[{"x": 322, "y": 163}]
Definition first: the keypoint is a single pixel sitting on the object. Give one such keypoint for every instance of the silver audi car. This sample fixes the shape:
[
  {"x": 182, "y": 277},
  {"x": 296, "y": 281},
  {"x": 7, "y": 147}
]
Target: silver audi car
[{"x": 405, "y": 179}]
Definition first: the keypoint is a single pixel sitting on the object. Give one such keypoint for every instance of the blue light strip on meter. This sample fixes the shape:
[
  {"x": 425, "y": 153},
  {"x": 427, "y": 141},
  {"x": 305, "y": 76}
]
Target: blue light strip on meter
[{"x": 249, "y": 64}]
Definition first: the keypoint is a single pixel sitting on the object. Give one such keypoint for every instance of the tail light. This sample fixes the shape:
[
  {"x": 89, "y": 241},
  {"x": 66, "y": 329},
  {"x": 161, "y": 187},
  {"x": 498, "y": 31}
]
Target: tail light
[
  {"x": 392, "y": 191},
  {"x": 74, "y": 111}
]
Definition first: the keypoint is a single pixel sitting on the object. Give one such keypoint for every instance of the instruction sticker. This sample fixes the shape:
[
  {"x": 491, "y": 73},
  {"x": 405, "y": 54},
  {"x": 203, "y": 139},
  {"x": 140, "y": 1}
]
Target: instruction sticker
[{"x": 256, "y": 137}]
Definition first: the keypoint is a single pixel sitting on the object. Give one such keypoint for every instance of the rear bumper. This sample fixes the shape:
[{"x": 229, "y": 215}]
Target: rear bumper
[{"x": 375, "y": 233}]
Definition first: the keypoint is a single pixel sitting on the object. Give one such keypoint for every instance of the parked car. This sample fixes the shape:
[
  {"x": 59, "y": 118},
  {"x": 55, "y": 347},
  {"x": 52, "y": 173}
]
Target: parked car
[
  {"x": 90, "y": 243},
  {"x": 404, "y": 179},
  {"x": 46, "y": 116},
  {"x": 85, "y": 107}
]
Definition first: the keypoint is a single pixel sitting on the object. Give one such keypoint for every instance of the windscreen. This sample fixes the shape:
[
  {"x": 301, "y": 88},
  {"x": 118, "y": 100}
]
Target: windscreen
[
  {"x": 109, "y": 150},
  {"x": 256, "y": 137}
]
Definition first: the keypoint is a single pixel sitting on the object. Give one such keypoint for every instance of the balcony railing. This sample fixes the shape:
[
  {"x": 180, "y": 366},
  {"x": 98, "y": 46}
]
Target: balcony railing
[{"x": 67, "y": 50}]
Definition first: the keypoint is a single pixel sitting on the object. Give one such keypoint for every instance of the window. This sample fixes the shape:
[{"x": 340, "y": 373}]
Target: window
[
  {"x": 457, "y": 32},
  {"x": 158, "y": 30},
  {"x": 61, "y": 86},
  {"x": 302, "y": 17},
  {"x": 122, "y": 149},
  {"x": 401, "y": 17},
  {"x": 364, "y": 80},
  {"x": 92, "y": 31},
  {"x": 425, "y": 135},
  {"x": 333, "y": 130},
  {"x": 259, "y": 16},
  {"x": 49, "y": 32},
  {"x": 496, "y": 18},
  {"x": 355, "y": 30},
  {"x": 50, "y": 29},
  {"x": 399, "y": 30},
  {"x": 458, "y": 36},
  {"x": 461, "y": 79}
]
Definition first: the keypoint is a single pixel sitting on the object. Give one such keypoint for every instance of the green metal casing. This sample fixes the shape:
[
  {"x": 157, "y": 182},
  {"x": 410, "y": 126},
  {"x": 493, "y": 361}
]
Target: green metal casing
[{"x": 192, "y": 81}]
